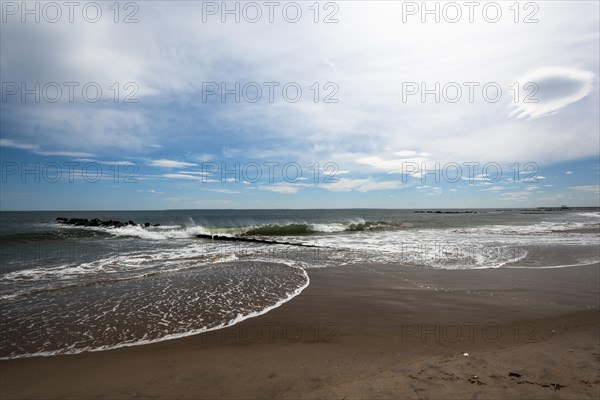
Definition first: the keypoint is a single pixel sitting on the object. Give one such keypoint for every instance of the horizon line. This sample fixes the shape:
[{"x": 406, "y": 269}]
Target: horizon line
[{"x": 305, "y": 209}]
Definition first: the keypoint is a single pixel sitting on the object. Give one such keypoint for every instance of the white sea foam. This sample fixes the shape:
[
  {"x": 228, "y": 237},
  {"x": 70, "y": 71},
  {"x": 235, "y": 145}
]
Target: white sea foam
[
  {"x": 191, "y": 229},
  {"x": 489, "y": 246},
  {"x": 157, "y": 233},
  {"x": 328, "y": 228},
  {"x": 126, "y": 266},
  {"x": 579, "y": 264},
  {"x": 472, "y": 247},
  {"x": 590, "y": 214},
  {"x": 225, "y": 300}
]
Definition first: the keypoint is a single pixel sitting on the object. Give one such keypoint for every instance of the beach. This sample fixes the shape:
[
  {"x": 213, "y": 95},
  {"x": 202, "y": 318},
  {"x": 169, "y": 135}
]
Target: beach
[
  {"x": 299, "y": 200},
  {"x": 363, "y": 331}
]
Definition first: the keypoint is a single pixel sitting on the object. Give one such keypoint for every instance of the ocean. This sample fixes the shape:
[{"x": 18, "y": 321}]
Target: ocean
[{"x": 67, "y": 289}]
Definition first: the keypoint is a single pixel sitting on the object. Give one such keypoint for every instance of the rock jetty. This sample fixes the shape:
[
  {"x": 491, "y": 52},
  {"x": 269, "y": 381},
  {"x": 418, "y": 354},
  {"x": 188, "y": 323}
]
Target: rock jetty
[{"x": 99, "y": 222}]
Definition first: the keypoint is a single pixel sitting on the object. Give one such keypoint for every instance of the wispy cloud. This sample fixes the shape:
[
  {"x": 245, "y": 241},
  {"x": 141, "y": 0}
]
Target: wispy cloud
[
  {"x": 10, "y": 143},
  {"x": 16, "y": 145},
  {"x": 493, "y": 189},
  {"x": 279, "y": 188},
  {"x": 547, "y": 90},
  {"x": 181, "y": 176},
  {"x": 223, "y": 191},
  {"x": 204, "y": 173},
  {"x": 360, "y": 185},
  {"x": 371, "y": 131},
  {"x": 150, "y": 191},
  {"x": 587, "y": 188},
  {"x": 533, "y": 179},
  {"x": 170, "y": 164},
  {"x": 515, "y": 196},
  {"x": 411, "y": 166}
]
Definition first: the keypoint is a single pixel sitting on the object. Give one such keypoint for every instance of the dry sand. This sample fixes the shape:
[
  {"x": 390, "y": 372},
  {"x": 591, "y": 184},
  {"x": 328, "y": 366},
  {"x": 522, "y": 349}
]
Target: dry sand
[{"x": 364, "y": 331}]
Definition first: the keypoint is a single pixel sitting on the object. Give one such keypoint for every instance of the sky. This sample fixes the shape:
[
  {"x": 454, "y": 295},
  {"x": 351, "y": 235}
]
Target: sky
[{"x": 345, "y": 104}]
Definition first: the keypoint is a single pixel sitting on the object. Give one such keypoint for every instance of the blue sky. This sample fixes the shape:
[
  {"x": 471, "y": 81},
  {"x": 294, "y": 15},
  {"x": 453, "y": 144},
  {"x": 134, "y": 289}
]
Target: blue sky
[{"x": 383, "y": 106}]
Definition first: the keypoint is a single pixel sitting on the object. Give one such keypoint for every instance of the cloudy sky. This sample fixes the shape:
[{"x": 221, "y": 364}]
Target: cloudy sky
[{"x": 154, "y": 105}]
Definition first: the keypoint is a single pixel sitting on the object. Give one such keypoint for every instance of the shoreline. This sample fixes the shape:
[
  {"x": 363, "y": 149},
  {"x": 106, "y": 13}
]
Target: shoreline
[
  {"x": 365, "y": 330},
  {"x": 174, "y": 336}
]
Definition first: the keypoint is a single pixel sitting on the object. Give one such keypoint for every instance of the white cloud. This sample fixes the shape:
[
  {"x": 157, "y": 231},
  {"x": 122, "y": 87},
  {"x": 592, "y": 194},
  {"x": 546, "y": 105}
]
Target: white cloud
[
  {"x": 170, "y": 164},
  {"x": 203, "y": 157},
  {"x": 16, "y": 145},
  {"x": 194, "y": 172},
  {"x": 514, "y": 196},
  {"x": 180, "y": 176},
  {"x": 279, "y": 188},
  {"x": 4, "y": 142},
  {"x": 475, "y": 178},
  {"x": 410, "y": 166},
  {"x": 73, "y": 127},
  {"x": 360, "y": 185},
  {"x": 223, "y": 191},
  {"x": 170, "y": 67},
  {"x": 64, "y": 153},
  {"x": 587, "y": 188},
  {"x": 121, "y": 162},
  {"x": 493, "y": 189},
  {"x": 533, "y": 178},
  {"x": 150, "y": 191},
  {"x": 406, "y": 153},
  {"x": 550, "y": 89}
]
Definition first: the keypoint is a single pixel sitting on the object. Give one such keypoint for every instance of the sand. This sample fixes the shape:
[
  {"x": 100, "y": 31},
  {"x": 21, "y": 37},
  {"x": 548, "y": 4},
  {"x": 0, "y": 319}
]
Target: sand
[{"x": 364, "y": 331}]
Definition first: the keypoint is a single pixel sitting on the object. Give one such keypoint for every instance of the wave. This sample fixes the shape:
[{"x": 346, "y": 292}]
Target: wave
[
  {"x": 590, "y": 214},
  {"x": 541, "y": 228},
  {"x": 379, "y": 226},
  {"x": 284, "y": 229},
  {"x": 295, "y": 229}
]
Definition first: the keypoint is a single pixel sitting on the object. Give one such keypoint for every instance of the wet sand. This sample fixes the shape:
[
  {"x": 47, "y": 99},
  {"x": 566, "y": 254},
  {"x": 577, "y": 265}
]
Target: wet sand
[{"x": 364, "y": 331}]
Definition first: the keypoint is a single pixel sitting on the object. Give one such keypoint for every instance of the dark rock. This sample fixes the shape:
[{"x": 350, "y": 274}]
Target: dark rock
[
  {"x": 249, "y": 239},
  {"x": 146, "y": 224},
  {"x": 97, "y": 222},
  {"x": 515, "y": 374},
  {"x": 78, "y": 222}
]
